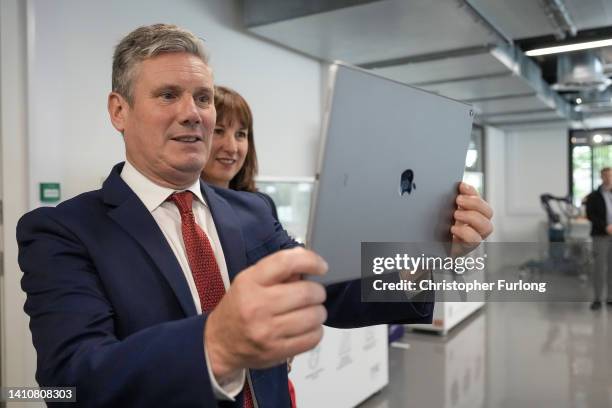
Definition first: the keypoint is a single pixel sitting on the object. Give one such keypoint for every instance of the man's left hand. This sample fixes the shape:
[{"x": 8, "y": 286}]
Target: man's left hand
[{"x": 472, "y": 220}]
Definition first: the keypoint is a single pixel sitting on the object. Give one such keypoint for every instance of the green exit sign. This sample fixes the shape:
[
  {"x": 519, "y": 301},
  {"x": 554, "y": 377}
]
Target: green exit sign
[{"x": 49, "y": 192}]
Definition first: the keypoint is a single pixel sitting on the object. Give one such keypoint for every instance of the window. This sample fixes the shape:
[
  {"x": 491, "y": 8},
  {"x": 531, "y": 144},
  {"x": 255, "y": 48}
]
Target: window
[
  {"x": 590, "y": 151},
  {"x": 292, "y": 198}
]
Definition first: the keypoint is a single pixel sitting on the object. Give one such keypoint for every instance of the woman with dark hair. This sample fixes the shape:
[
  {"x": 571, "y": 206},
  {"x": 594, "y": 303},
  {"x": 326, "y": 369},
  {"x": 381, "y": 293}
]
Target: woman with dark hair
[{"x": 233, "y": 160}]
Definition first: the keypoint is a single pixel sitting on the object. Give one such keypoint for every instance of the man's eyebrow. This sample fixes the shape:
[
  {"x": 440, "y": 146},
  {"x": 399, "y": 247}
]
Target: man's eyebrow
[
  {"x": 179, "y": 89},
  {"x": 167, "y": 87},
  {"x": 204, "y": 89}
]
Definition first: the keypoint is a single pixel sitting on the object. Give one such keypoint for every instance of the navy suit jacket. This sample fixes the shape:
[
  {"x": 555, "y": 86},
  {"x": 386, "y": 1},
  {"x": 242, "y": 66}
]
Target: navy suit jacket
[{"x": 110, "y": 310}]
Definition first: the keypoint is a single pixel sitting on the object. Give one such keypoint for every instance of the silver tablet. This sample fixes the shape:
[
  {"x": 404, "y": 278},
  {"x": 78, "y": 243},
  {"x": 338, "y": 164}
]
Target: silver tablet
[{"x": 390, "y": 163}]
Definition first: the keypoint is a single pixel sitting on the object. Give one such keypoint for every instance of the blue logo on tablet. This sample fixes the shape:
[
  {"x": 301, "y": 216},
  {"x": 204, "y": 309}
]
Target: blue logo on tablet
[{"x": 407, "y": 182}]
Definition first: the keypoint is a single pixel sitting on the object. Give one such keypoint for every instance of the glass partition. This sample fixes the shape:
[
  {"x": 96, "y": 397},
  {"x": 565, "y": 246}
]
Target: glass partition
[{"x": 292, "y": 197}]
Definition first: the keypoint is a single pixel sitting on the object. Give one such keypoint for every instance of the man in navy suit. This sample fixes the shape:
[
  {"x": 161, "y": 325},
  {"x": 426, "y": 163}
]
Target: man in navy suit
[{"x": 118, "y": 304}]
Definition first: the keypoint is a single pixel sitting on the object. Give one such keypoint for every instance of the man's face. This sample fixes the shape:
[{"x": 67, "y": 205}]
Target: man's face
[
  {"x": 168, "y": 128},
  {"x": 606, "y": 178}
]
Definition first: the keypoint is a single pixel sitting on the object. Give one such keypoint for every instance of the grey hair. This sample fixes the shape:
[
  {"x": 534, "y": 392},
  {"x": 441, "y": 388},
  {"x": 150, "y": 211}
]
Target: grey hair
[{"x": 147, "y": 42}]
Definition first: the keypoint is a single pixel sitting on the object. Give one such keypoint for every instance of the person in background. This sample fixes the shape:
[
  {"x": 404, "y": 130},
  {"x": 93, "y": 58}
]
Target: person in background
[
  {"x": 599, "y": 212},
  {"x": 233, "y": 158}
]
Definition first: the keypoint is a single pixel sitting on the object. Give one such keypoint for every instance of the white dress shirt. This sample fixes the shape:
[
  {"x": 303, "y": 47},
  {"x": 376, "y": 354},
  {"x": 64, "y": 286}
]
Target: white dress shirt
[{"x": 168, "y": 218}]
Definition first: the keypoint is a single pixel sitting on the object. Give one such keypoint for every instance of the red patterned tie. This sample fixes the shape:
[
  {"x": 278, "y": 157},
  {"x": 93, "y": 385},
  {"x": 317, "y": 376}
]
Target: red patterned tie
[{"x": 203, "y": 264}]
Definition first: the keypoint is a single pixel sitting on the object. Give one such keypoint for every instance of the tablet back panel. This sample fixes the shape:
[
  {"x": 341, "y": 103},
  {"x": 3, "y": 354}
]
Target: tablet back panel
[{"x": 391, "y": 160}]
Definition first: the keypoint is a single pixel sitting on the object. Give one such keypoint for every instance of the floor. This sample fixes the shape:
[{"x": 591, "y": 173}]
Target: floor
[{"x": 506, "y": 355}]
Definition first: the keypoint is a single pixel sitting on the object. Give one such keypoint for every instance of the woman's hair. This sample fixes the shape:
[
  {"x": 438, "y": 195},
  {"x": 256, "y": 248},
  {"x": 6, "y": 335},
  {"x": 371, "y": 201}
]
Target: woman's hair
[{"x": 230, "y": 105}]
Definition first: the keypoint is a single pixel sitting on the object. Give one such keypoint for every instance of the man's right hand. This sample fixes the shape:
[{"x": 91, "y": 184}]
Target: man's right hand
[
  {"x": 609, "y": 229},
  {"x": 268, "y": 314}
]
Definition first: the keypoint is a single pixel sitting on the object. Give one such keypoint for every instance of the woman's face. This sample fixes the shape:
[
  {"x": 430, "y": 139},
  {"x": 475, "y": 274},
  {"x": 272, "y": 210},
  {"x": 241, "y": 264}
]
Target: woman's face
[{"x": 230, "y": 144}]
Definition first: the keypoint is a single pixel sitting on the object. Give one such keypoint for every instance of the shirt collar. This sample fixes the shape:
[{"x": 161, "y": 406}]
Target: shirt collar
[{"x": 153, "y": 195}]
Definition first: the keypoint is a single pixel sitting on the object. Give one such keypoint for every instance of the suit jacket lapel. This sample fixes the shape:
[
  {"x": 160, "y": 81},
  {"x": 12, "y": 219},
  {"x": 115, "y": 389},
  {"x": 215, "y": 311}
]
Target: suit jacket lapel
[
  {"x": 131, "y": 214},
  {"x": 228, "y": 229}
]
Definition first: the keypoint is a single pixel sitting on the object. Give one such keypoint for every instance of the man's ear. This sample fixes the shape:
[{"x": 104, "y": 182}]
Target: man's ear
[{"x": 118, "y": 109}]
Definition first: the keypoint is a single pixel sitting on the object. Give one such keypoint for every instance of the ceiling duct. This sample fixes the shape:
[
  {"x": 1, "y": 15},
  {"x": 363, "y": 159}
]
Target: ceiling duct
[
  {"x": 594, "y": 101},
  {"x": 580, "y": 71},
  {"x": 559, "y": 17},
  {"x": 526, "y": 69},
  {"x": 430, "y": 45}
]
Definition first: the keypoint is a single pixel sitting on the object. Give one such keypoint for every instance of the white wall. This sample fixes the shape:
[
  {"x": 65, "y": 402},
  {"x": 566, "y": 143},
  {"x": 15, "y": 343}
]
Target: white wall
[
  {"x": 71, "y": 48},
  {"x": 523, "y": 163},
  {"x": 17, "y": 351}
]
